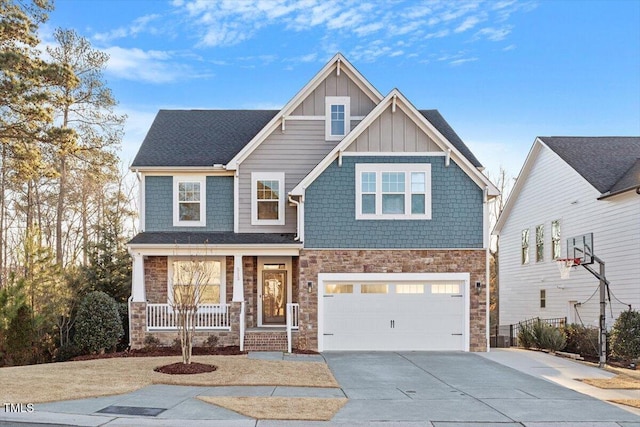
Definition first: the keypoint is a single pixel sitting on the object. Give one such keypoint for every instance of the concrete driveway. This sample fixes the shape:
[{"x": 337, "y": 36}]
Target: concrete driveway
[
  {"x": 451, "y": 388},
  {"x": 384, "y": 389}
]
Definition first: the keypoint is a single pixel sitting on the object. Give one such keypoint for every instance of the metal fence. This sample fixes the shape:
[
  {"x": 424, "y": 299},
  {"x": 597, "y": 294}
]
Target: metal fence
[{"x": 507, "y": 335}]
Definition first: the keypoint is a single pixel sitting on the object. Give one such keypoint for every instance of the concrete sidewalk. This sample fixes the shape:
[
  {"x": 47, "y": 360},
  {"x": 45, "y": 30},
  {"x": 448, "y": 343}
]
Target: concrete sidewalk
[
  {"x": 504, "y": 388},
  {"x": 562, "y": 371}
]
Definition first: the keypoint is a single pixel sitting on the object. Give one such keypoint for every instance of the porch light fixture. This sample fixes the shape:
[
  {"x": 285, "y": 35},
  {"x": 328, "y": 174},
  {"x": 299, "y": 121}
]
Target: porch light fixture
[
  {"x": 478, "y": 287},
  {"x": 309, "y": 286}
]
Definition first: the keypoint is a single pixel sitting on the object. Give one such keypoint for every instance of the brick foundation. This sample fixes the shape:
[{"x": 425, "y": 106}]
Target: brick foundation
[{"x": 265, "y": 341}]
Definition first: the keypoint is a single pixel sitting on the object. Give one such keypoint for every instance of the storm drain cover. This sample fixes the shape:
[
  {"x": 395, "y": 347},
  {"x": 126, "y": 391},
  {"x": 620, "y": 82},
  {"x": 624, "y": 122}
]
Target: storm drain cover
[{"x": 132, "y": 410}]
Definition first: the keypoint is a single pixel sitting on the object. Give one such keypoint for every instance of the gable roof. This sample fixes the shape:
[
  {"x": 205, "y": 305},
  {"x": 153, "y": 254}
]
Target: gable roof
[
  {"x": 199, "y": 137},
  {"x": 436, "y": 119},
  {"x": 602, "y": 161},
  {"x": 395, "y": 98},
  {"x": 338, "y": 64},
  {"x": 609, "y": 163}
]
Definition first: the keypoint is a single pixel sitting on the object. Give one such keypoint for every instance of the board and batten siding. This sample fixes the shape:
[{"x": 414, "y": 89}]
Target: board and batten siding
[
  {"x": 295, "y": 152},
  {"x": 554, "y": 191},
  {"x": 393, "y": 132},
  {"x": 314, "y": 104}
]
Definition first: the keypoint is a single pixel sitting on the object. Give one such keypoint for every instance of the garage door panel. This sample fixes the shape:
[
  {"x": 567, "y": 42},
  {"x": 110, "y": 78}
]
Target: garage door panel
[{"x": 396, "y": 321}]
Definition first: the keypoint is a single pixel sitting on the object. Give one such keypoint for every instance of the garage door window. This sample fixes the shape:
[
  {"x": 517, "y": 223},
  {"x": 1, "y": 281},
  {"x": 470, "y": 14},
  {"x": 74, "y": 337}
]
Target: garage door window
[
  {"x": 443, "y": 288},
  {"x": 338, "y": 289},
  {"x": 410, "y": 289},
  {"x": 374, "y": 289}
]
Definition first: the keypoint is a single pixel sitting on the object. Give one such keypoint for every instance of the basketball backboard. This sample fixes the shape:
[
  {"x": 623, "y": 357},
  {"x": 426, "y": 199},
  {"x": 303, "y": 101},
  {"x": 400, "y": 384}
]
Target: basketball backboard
[{"x": 581, "y": 247}]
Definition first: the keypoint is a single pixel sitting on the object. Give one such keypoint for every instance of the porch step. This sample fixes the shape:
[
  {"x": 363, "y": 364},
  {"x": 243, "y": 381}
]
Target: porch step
[{"x": 265, "y": 340}]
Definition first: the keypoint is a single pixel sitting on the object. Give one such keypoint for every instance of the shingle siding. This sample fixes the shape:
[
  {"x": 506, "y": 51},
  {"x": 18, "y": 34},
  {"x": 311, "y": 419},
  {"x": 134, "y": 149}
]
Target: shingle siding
[
  {"x": 159, "y": 204},
  {"x": 457, "y": 211}
]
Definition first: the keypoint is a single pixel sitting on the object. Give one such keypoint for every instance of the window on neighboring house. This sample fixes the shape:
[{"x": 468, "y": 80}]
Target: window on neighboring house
[
  {"x": 555, "y": 239},
  {"x": 543, "y": 298},
  {"x": 525, "y": 247},
  {"x": 540, "y": 243},
  {"x": 189, "y": 205},
  {"x": 337, "y": 116},
  {"x": 267, "y": 198},
  {"x": 393, "y": 191},
  {"x": 198, "y": 280}
]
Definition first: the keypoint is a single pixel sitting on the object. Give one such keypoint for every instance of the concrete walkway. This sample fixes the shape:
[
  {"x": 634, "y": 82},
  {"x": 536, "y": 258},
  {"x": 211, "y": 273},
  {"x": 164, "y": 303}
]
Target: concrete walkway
[{"x": 504, "y": 388}]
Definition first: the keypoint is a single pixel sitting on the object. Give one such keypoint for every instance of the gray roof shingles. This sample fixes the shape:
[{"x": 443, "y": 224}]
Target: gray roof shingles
[
  {"x": 211, "y": 238},
  {"x": 608, "y": 162},
  {"x": 201, "y": 138}
]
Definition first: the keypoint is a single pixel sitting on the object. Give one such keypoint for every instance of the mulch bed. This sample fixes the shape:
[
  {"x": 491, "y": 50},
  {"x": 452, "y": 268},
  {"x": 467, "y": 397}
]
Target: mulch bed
[
  {"x": 182, "y": 369},
  {"x": 166, "y": 351}
]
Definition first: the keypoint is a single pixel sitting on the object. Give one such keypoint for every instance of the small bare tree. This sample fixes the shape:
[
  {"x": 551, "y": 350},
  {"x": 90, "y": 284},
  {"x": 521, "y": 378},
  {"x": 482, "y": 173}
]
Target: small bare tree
[{"x": 190, "y": 278}]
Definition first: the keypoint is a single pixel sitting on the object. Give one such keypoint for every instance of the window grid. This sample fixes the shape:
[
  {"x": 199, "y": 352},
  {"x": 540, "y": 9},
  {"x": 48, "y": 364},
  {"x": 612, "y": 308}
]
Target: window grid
[
  {"x": 525, "y": 247},
  {"x": 540, "y": 243},
  {"x": 337, "y": 120},
  {"x": 555, "y": 240},
  {"x": 188, "y": 201},
  {"x": 543, "y": 298}
]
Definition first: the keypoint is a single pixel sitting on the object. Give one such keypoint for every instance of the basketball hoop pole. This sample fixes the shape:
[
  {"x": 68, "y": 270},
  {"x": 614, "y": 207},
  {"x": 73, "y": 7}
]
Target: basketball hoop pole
[{"x": 604, "y": 286}]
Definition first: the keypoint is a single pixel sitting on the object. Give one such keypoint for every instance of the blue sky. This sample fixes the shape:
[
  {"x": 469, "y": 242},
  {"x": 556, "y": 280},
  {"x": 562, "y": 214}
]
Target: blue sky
[{"x": 501, "y": 72}]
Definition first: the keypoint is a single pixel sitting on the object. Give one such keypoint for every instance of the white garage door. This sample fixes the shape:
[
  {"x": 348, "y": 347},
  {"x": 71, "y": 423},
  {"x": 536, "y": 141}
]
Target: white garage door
[{"x": 398, "y": 315}]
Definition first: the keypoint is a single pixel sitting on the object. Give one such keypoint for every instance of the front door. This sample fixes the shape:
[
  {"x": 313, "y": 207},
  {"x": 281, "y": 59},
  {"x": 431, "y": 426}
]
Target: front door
[{"x": 274, "y": 296}]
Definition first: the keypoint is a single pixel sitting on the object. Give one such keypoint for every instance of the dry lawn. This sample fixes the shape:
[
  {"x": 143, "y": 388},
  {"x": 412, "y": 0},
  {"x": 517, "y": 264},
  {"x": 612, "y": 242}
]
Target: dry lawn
[
  {"x": 280, "y": 408},
  {"x": 623, "y": 382},
  {"x": 634, "y": 403},
  {"x": 76, "y": 380}
]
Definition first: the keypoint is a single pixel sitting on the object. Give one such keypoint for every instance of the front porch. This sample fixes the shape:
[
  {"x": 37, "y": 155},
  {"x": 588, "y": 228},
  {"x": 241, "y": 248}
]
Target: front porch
[{"x": 257, "y": 297}]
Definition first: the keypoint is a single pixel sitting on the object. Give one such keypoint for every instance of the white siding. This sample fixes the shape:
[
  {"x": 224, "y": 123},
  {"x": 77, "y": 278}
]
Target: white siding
[{"x": 554, "y": 191}]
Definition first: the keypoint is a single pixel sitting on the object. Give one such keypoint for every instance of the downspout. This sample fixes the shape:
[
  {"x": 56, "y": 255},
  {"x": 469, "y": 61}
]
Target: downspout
[{"x": 295, "y": 202}]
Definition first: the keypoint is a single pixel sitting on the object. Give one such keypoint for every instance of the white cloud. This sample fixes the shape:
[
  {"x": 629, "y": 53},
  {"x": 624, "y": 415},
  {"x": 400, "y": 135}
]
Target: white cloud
[
  {"x": 139, "y": 25},
  {"x": 461, "y": 61},
  {"x": 467, "y": 24},
  {"x": 493, "y": 34},
  {"x": 150, "y": 66}
]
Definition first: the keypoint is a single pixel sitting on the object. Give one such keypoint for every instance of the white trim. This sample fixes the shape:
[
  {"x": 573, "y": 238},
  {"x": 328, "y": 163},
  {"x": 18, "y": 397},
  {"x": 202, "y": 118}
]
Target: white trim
[
  {"x": 318, "y": 118},
  {"x": 137, "y": 283},
  {"x": 236, "y": 201},
  {"x": 330, "y": 101},
  {"x": 288, "y": 267},
  {"x": 267, "y": 176},
  {"x": 379, "y": 169},
  {"x": 217, "y": 250},
  {"x": 202, "y": 181},
  {"x": 392, "y": 154},
  {"x": 142, "y": 210},
  {"x": 395, "y": 277},
  {"x": 402, "y": 103},
  {"x": 170, "y": 170},
  {"x": 306, "y": 91},
  {"x": 223, "y": 274}
]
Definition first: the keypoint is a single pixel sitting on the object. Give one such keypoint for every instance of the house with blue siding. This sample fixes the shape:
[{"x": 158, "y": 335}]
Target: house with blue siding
[{"x": 347, "y": 220}]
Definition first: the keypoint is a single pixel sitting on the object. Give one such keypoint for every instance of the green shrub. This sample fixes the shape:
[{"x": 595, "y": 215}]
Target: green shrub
[
  {"x": 66, "y": 352},
  {"x": 525, "y": 337},
  {"x": 123, "y": 311},
  {"x": 98, "y": 325},
  {"x": 581, "y": 340},
  {"x": 625, "y": 335},
  {"x": 151, "y": 342},
  {"x": 19, "y": 345},
  {"x": 211, "y": 341},
  {"x": 541, "y": 335}
]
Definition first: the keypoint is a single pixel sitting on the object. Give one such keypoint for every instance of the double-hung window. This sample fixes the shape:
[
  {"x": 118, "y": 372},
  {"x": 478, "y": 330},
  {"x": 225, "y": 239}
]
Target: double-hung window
[
  {"x": 199, "y": 281},
  {"x": 555, "y": 239},
  {"x": 540, "y": 243},
  {"x": 337, "y": 117},
  {"x": 393, "y": 191},
  {"x": 189, "y": 201},
  {"x": 524, "y": 247},
  {"x": 267, "y": 198}
]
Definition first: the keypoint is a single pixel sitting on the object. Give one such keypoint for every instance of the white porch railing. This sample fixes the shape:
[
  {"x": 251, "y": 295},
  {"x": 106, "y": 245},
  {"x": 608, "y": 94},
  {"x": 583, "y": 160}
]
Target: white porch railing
[
  {"x": 293, "y": 312},
  {"x": 210, "y": 316}
]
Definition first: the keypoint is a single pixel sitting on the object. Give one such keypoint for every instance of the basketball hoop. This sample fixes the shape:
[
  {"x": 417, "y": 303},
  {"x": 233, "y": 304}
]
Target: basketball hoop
[{"x": 565, "y": 264}]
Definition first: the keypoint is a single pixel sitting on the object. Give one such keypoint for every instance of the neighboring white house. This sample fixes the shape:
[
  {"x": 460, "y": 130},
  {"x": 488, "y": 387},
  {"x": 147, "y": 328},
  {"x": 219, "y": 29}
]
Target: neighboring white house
[{"x": 567, "y": 187}]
